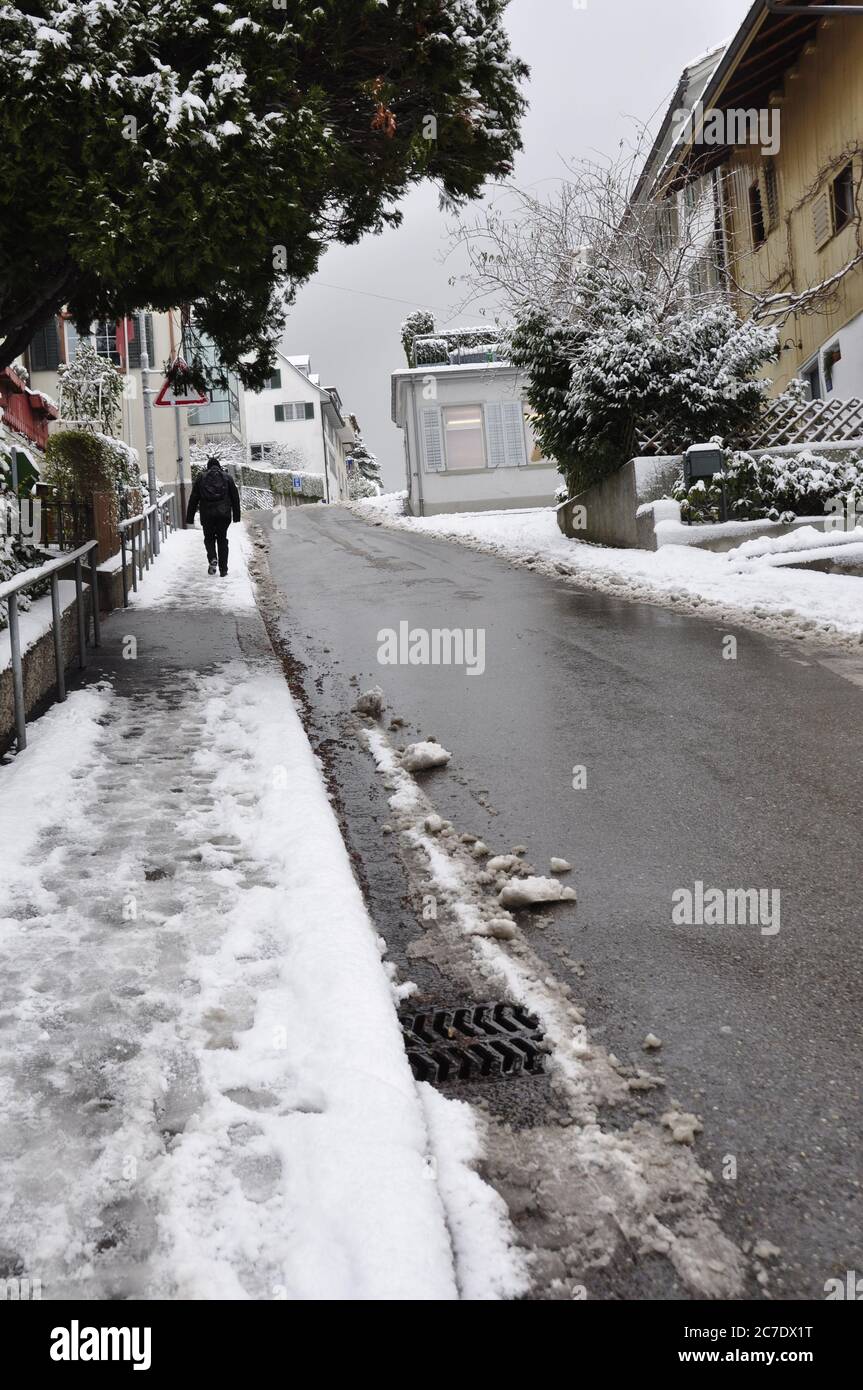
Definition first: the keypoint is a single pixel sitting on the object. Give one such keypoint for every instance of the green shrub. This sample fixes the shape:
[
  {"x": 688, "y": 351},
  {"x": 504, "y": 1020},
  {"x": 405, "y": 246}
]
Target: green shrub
[{"x": 771, "y": 487}]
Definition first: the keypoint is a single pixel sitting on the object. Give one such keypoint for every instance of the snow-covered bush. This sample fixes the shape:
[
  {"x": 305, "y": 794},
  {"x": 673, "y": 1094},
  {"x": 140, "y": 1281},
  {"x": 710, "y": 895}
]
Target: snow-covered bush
[
  {"x": 90, "y": 390},
  {"x": 772, "y": 487},
  {"x": 81, "y": 462},
  {"x": 629, "y": 363},
  {"x": 419, "y": 323},
  {"x": 280, "y": 481},
  {"x": 360, "y": 487},
  {"x": 17, "y": 553},
  {"x": 430, "y": 352}
]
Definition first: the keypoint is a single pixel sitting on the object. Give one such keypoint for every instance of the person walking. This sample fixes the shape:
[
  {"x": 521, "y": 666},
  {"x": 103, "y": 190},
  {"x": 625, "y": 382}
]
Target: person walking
[{"x": 215, "y": 495}]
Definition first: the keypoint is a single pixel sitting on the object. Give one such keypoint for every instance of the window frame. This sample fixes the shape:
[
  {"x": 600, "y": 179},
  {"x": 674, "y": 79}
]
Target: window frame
[
  {"x": 847, "y": 213},
  {"x": 480, "y": 409},
  {"x": 757, "y": 220}
]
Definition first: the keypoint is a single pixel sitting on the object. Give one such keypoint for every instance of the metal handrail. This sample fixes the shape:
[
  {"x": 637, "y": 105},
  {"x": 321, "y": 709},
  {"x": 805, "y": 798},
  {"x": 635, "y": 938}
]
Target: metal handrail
[
  {"x": 27, "y": 578},
  {"x": 11, "y": 588},
  {"x": 141, "y": 536}
]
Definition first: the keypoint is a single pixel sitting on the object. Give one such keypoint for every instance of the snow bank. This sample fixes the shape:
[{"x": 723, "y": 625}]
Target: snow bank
[{"x": 789, "y": 602}]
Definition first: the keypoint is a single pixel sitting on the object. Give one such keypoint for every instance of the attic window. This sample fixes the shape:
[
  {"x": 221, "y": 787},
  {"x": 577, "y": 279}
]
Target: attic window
[{"x": 756, "y": 215}]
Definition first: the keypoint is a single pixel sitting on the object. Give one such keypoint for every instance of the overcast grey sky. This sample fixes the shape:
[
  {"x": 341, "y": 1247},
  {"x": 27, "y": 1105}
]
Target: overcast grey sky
[{"x": 592, "y": 71}]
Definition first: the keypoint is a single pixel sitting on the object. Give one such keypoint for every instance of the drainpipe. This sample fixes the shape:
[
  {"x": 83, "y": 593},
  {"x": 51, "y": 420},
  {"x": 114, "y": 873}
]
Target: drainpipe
[
  {"x": 418, "y": 451},
  {"x": 181, "y": 472},
  {"x": 326, "y": 464},
  {"x": 148, "y": 428}
]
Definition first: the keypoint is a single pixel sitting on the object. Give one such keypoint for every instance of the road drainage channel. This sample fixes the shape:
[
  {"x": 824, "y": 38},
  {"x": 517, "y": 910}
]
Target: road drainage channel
[{"x": 473, "y": 1043}]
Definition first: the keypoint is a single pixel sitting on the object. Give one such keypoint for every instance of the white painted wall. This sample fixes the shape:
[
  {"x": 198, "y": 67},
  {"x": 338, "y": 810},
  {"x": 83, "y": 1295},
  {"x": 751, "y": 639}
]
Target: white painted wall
[
  {"x": 847, "y": 374},
  {"x": 532, "y": 485},
  {"x": 306, "y": 436}
]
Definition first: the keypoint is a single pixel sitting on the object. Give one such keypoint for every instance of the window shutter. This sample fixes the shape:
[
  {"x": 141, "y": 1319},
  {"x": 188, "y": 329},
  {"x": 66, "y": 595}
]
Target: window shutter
[
  {"x": 45, "y": 348},
  {"x": 433, "y": 440},
  {"x": 504, "y": 427},
  {"x": 822, "y": 220},
  {"x": 310, "y": 410},
  {"x": 495, "y": 436},
  {"x": 513, "y": 428}
]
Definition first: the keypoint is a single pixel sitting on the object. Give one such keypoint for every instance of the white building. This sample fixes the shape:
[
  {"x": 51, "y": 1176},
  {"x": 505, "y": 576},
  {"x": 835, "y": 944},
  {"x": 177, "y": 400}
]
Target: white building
[
  {"x": 469, "y": 445},
  {"x": 298, "y": 423}
]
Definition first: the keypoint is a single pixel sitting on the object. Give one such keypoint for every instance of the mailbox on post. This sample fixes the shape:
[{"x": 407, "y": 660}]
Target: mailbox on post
[{"x": 705, "y": 461}]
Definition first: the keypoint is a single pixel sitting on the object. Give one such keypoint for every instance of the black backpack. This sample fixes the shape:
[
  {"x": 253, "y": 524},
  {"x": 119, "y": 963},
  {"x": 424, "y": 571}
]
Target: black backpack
[{"x": 215, "y": 496}]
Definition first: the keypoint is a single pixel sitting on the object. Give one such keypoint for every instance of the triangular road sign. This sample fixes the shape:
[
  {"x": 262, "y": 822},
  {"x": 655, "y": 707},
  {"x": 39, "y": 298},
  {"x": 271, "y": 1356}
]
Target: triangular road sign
[{"x": 166, "y": 397}]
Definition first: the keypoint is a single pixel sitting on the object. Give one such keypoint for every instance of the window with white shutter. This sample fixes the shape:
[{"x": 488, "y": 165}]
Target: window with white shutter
[
  {"x": 513, "y": 429},
  {"x": 432, "y": 439},
  {"x": 495, "y": 438},
  {"x": 504, "y": 427},
  {"x": 822, "y": 220}
]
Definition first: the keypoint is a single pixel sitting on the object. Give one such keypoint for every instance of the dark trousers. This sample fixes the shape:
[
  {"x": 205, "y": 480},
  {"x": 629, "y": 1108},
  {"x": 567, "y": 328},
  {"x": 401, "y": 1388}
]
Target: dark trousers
[{"x": 216, "y": 536}]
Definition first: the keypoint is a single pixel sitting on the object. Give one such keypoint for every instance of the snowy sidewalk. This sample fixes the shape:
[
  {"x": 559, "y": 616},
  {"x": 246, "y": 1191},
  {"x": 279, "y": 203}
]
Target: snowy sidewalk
[{"x": 203, "y": 1090}]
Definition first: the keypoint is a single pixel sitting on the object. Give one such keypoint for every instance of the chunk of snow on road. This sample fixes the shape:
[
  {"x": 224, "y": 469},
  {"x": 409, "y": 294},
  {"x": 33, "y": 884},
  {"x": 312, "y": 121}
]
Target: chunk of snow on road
[
  {"x": 560, "y": 866},
  {"x": 503, "y": 863},
  {"x": 652, "y": 1043},
  {"x": 371, "y": 702},
  {"x": 684, "y": 1127},
  {"x": 528, "y": 892},
  {"x": 419, "y": 757}
]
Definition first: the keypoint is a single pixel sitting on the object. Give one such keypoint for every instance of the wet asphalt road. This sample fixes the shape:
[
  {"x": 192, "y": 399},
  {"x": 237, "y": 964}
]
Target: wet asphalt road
[{"x": 741, "y": 774}]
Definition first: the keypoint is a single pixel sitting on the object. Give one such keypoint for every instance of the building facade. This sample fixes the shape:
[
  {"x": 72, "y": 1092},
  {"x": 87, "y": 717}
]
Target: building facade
[
  {"x": 778, "y": 127},
  {"x": 177, "y": 430},
  {"x": 469, "y": 445},
  {"x": 297, "y": 423}
]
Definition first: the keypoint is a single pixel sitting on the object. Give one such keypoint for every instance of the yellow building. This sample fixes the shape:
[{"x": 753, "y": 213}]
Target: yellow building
[{"x": 778, "y": 126}]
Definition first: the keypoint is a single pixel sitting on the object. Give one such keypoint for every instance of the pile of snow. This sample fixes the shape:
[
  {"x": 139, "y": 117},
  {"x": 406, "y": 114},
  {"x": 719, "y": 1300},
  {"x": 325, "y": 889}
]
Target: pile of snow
[
  {"x": 371, "y": 702},
  {"x": 419, "y": 757},
  {"x": 805, "y": 538},
  {"x": 529, "y": 892}
]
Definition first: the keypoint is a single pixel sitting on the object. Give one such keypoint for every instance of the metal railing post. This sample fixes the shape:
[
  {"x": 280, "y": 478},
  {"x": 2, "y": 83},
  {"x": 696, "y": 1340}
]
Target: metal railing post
[
  {"x": 17, "y": 675},
  {"x": 94, "y": 599},
  {"x": 79, "y": 603},
  {"x": 123, "y": 568},
  {"x": 59, "y": 660}
]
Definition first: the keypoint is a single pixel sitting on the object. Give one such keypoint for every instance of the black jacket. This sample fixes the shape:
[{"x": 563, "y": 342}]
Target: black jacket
[{"x": 196, "y": 502}]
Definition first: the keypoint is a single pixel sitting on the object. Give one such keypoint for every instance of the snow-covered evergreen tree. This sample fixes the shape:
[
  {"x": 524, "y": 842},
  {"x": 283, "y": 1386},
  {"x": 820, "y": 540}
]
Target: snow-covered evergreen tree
[
  {"x": 365, "y": 463},
  {"x": 632, "y": 362},
  {"x": 208, "y": 153}
]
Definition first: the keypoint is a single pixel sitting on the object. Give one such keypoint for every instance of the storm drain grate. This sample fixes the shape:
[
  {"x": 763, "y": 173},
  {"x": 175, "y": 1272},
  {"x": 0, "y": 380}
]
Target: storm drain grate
[{"x": 479, "y": 1040}]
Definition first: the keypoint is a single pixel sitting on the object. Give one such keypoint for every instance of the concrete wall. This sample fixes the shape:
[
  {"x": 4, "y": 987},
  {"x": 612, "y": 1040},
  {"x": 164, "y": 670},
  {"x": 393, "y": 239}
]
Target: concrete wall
[
  {"x": 40, "y": 673},
  {"x": 606, "y": 513}
]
